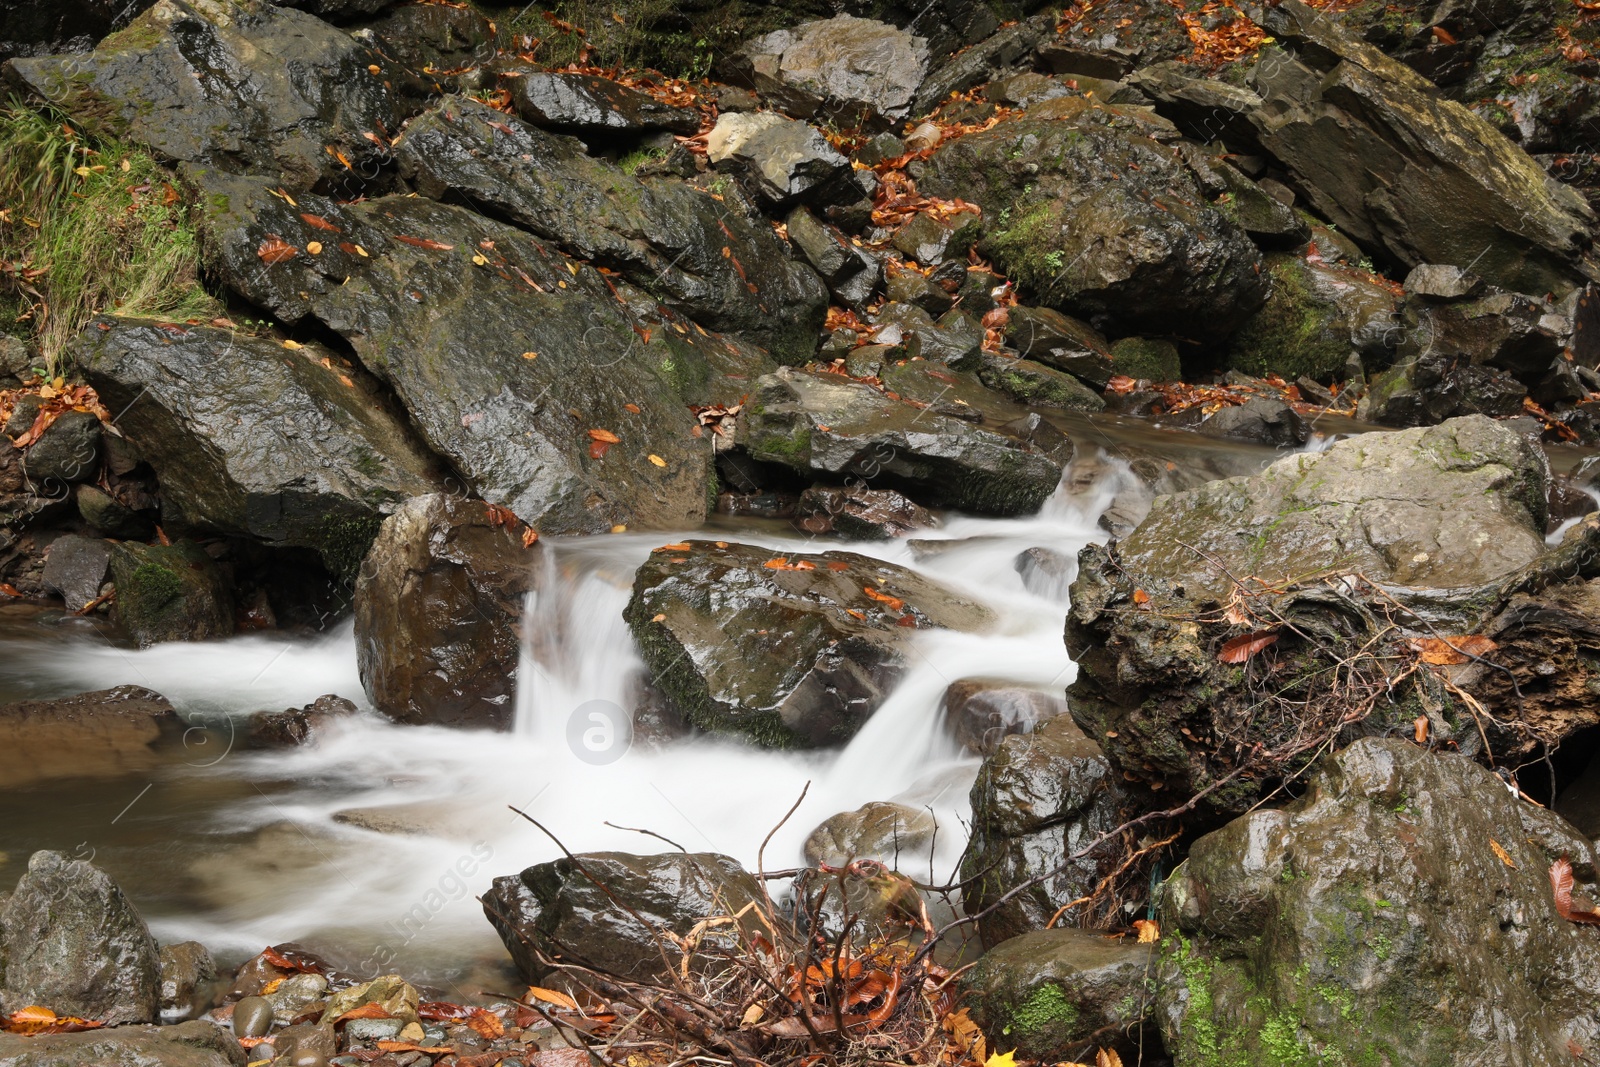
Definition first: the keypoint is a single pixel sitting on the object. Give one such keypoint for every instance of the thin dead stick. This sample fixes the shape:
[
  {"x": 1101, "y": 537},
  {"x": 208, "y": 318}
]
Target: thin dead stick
[
  {"x": 761, "y": 853},
  {"x": 647, "y": 833}
]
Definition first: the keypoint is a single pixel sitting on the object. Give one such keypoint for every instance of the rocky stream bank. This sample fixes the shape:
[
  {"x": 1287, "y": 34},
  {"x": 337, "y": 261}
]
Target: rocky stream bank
[{"x": 1257, "y": 345}]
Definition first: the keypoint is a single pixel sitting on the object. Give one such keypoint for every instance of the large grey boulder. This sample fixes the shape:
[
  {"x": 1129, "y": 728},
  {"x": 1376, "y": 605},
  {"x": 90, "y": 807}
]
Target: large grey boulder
[
  {"x": 552, "y": 389},
  {"x": 612, "y": 910},
  {"x": 252, "y": 438},
  {"x": 297, "y": 93},
  {"x": 853, "y": 71},
  {"x": 1041, "y": 797},
  {"x": 1403, "y": 170},
  {"x": 686, "y": 249},
  {"x": 1328, "y": 559},
  {"x": 438, "y": 605},
  {"x": 793, "y": 650},
  {"x": 586, "y": 105},
  {"x": 1400, "y": 912},
  {"x": 73, "y": 943},
  {"x": 832, "y": 428}
]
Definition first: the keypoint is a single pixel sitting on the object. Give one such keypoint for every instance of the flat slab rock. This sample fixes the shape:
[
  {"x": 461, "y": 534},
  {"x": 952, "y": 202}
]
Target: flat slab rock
[
  {"x": 844, "y": 68},
  {"x": 793, "y": 650},
  {"x": 105, "y": 733},
  {"x": 583, "y": 104}
]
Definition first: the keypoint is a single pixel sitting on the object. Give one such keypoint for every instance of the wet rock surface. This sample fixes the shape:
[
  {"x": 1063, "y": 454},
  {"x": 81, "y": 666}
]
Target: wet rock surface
[
  {"x": 106, "y": 732},
  {"x": 1039, "y": 800},
  {"x": 295, "y": 92},
  {"x": 853, "y": 71},
  {"x": 190, "y": 1044},
  {"x": 830, "y": 427},
  {"x": 1318, "y": 926},
  {"x": 793, "y": 650},
  {"x": 170, "y": 592},
  {"x": 253, "y": 439},
  {"x": 662, "y": 235},
  {"x": 558, "y": 910},
  {"x": 438, "y": 608},
  {"x": 981, "y": 713},
  {"x": 586, "y": 105},
  {"x": 73, "y": 940},
  {"x": 890, "y": 833}
]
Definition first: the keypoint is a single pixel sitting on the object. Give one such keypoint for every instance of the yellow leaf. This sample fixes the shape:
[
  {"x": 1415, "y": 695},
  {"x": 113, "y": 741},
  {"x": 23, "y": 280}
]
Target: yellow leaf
[
  {"x": 552, "y": 996},
  {"x": 82, "y": 172},
  {"x": 480, "y": 259},
  {"x": 1107, "y": 1058},
  {"x": 1002, "y": 1059},
  {"x": 619, "y": 528},
  {"x": 1149, "y": 931},
  {"x": 752, "y": 1015},
  {"x": 1505, "y": 857},
  {"x": 315, "y": 248},
  {"x": 126, "y": 166},
  {"x": 530, "y": 355},
  {"x": 657, "y": 460},
  {"x": 293, "y": 345}
]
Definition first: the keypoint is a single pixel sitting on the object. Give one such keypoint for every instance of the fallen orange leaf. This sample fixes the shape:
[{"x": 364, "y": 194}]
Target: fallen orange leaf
[
  {"x": 551, "y": 996},
  {"x": 1449, "y": 651},
  {"x": 604, "y": 435},
  {"x": 275, "y": 250},
  {"x": 1240, "y": 649},
  {"x": 893, "y": 603}
]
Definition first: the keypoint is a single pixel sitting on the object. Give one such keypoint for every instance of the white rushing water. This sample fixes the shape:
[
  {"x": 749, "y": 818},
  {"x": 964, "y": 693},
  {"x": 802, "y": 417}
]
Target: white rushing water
[{"x": 377, "y": 838}]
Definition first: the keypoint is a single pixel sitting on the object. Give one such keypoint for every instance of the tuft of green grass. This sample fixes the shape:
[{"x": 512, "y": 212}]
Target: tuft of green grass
[{"x": 86, "y": 227}]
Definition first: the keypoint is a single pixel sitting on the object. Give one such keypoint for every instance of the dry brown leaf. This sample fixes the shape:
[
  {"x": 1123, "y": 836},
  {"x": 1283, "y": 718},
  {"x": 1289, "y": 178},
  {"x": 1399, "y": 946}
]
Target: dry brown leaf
[
  {"x": 1561, "y": 882},
  {"x": 1240, "y": 649},
  {"x": 275, "y": 250},
  {"x": 1107, "y": 1057},
  {"x": 1501, "y": 853},
  {"x": 551, "y": 996},
  {"x": 1149, "y": 931},
  {"x": 1140, "y": 597},
  {"x": 423, "y": 242},
  {"x": 486, "y": 1024},
  {"x": 604, "y": 435},
  {"x": 1449, "y": 651}
]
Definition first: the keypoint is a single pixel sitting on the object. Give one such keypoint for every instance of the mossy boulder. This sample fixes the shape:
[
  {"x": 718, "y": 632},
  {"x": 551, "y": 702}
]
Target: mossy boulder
[
  {"x": 1060, "y": 994},
  {"x": 1391, "y": 915},
  {"x": 1037, "y": 385},
  {"x": 1317, "y": 317},
  {"x": 1151, "y": 359},
  {"x": 295, "y": 447},
  {"x": 1092, "y": 214},
  {"x": 793, "y": 650},
  {"x": 170, "y": 592}
]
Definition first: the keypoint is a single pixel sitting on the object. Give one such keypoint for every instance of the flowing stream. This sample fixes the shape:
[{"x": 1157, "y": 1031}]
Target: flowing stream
[{"x": 370, "y": 845}]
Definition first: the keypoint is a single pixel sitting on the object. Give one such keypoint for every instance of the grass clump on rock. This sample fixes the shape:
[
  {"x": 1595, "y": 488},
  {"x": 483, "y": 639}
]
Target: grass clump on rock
[{"x": 88, "y": 226}]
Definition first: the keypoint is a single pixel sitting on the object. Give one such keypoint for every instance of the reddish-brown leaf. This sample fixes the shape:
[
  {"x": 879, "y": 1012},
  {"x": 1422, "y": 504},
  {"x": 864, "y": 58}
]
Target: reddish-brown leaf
[
  {"x": 1240, "y": 649},
  {"x": 530, "y": 536},
  {"x": 1449, "y": 651},
  {"x": 486, "y": 1024},
  {"x": 1561, "y": 885},
  {"x": 1443, "y": 36},
  {"x": 893, "y": 603},
  {"x": 1120, "y": 383},
  {"x": 275, "y": 250},
  {"x": 1140, "y": 597},
  {"x": 442, "y": 1010},
  {"x": 317, "y": 222},
  {"x": 365, "y": 1011},
  {"x": 604, "y": 435}
]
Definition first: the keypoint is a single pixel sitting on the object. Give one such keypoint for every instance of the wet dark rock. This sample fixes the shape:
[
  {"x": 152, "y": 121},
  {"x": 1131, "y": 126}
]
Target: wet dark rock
[
  {"x": 586, "y": 105},
  {"x": 1432, "y": 182},
  {"x": 955, "y": 339},
  {"x": 1046, "y": 572},
  {"x": 1205, "y": 109},
  {"x": 1046, "y": 336},
  {"x": 296, "y": 91},
  {"x": 1024, "y": 90},
  {"x": 559, "y": 910},
  {"x": 251, "y": 439},
  {"x": 425, "y": 41},
  {"x": 1434, "y": 387},
  {"x": 252, "y": 1017},
  {"x": 73, "y": 941},
  {"x": 1440, "y": 281},
  {"x": 915, "y": 289},
  {"x": 789, "y": 651},
  {"x": 786, "y": 160},
  {"x": 1270, "y": 222},
  {"x": 188, "y": 980},
  {"x": 504, "y": 352},
  {"x": 76, "y": 568},
  {"x": 1317, "y": 318},
  {"x": 51, "y": 27},
  {"x": 1456, "y": 505},
  {"x": 109, "y": 515},
  {"x": 832, "y": 428},
  {"x": 68, "y": 451},
  {"x": 438, "y": 609},
  {"x": 758, "y": 505},
  {"x": 1146, "y": 359},
  {"x": 1059, "y": 994},
  {"x": 170, "y": 592},
  {"x": 664, "y": 236},
  {"x": 880, "y": 830},
  {"x": 340, "y": 9},
  {"x": 1069, "y": 211},
  {"x": 980, "y": 713},
  {"x": 930, "y": 241},
  {"x": 1521, "y": 335},
  {"x": 974, "y": 66},
  {"x": 851, "y": 71},
  {"x": 851, "y": 275},
  {"x": 296, "y": 726},
  {"x": 884, "y": 146},
  {"x": 860, "y": 514},
  {"x": 191, "y": 1044},
  {"x": 1319, "y": 926},
  {"x": 1263, "y": 419},
  {"x": 1041, "y": 797},
  {"x": 104, "y": 733},
  {"x": 1038, "y": 385}
]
